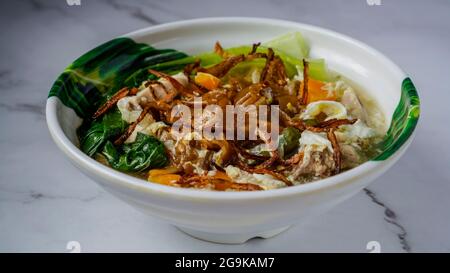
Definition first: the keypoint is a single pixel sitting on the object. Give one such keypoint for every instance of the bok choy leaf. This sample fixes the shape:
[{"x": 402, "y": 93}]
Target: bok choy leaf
[
  {"x": 145, "y": 152},
  {"x": 99, "y": 131}
]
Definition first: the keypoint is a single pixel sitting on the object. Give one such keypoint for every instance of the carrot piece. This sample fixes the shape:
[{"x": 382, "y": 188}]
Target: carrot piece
[
  {"x": 222, "y": 176},
  {"x": 316, "y": 93},
  {"x": 165, "y": 179},
  {"x": 207, "y": 80},
  {"x": 168, "y": 170}
]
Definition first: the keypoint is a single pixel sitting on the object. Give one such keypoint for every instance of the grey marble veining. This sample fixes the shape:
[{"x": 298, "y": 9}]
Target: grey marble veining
[{"x": 45, "y": 202}]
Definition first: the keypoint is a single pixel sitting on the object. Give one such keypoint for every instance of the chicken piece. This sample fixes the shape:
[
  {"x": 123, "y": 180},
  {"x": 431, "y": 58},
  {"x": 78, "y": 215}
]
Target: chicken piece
[
  {"x": 318, "y": 156},
  {"x": 190, "y": 155},
  {"x": 265, "y": 181},
  {"x": 129, "y": 131},
  {"x": 162, "y": 90},
  {"x": 353, "y": 105},
  {"x": 350, "y": 156},
  {"x": 189, "y": 158},
  {"x": 140, "y": 127},
  {"x": 130, "y": 108},
  {"x": 314, "y": 163}
]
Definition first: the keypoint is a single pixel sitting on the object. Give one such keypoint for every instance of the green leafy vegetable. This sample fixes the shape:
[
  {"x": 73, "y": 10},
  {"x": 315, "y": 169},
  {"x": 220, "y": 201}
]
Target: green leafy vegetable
[
  {"x": 318, "y": 70},
  {"x": 99, "y": 131},
  {"x": 290, "y": 62},
  {"x": 288, "y": 141},
  {"x": 145, "y": 152},
  {"x": 292, "y": 44},
  {"x": 246, "y": 69},
  {"x": 291, "y": 48}
]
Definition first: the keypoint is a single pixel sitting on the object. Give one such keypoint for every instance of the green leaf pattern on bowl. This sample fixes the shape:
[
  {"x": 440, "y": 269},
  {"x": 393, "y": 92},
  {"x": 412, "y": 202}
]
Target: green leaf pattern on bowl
[{"x": 404, "y": 120}]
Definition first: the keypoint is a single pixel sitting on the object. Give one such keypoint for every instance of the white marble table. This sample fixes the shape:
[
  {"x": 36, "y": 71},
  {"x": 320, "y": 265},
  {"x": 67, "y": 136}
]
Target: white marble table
[{"x": 45, "y": 202}]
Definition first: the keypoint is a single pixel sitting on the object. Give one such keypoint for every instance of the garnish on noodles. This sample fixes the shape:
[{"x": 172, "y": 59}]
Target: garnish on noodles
[{"x": 300, "y": 122}]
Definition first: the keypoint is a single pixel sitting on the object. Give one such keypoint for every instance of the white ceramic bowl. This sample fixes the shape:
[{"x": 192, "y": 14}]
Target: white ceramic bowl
[{"x": 235, "y": 217}]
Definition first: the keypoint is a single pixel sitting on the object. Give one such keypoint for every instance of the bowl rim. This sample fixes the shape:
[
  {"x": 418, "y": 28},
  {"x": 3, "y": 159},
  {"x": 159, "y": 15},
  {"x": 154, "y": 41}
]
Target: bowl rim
[{"x": 124, "y": 180}]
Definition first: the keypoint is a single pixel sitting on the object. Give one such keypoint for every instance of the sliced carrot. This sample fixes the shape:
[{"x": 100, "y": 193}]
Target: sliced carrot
[
  {"x": 222, "y": 185},
  {"x": 222, "y": 176},
  {"x": 316, "y": 91},
  {"x": 207, "y": 80},
  {"x": 222, "y": 181},
  {"x": 168, "y": 170},
  {"x": 165, "y": 179}
]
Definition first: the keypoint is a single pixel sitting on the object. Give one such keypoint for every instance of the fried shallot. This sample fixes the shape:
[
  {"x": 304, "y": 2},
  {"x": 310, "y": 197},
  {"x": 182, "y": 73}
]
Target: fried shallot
[
  {"x": 336, "y": 150},
  {"x": 303, "y": 94},
  {"x": 221, "y": 69},
  {"x": 122, "y": 93},
  {"x": 131, "y": 127}
]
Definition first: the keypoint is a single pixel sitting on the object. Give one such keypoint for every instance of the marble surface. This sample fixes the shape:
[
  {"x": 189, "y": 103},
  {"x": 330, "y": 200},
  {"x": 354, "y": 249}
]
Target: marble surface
[{"x": 45, "y": 202}]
